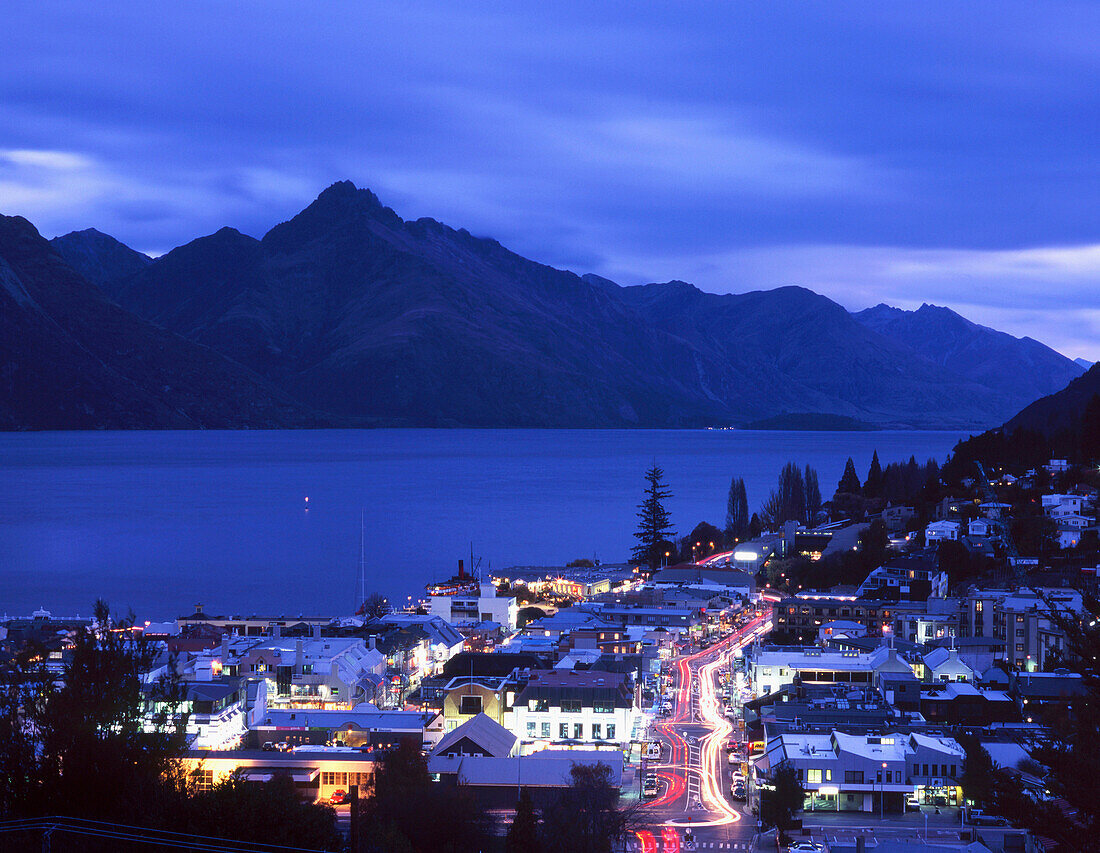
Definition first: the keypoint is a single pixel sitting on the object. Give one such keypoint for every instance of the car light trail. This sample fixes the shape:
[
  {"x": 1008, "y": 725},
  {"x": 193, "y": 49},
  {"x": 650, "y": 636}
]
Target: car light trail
[
  {"x": 720, "y": 728},
  {"x": 646, "y": 841},
  {"x": 674, "y": 789},
  {"x": 670, "y": 840}
]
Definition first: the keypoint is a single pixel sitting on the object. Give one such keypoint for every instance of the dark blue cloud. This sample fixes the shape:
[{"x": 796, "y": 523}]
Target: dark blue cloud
[{"x": 743, "y": 145}]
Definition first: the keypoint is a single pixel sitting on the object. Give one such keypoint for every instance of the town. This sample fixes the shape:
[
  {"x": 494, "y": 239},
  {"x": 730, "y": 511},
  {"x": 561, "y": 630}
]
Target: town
[{"x": 899, "y": 668}]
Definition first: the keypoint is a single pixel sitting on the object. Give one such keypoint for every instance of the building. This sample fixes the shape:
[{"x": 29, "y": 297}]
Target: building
[
  {"x": 480, "y": 735},
  {"x": 1021, "y": 619},
  {"x": 943, "y": 664},
  {"x": 681, "y": 618},
  {"x": 317, "y": 772},
  {"x": 467, "y": 696},
  {"x": 868, "y": 773},
  {"x": 253, "y": 625},
  {"x": 1035, "y": 690},
  {"x": 570, "y": 706},
  {"x": 960, "y": 703},
  {"x": 940, "y": 531},
  {"x": 216, "y": 713},
  {"x": 798, "y": 619},
  {"x": 319, "y": 672},
  {"x": 913, "y": 577},
  {"x": 365, "y": 727},
  {"x": 485, "y": 606},
  {"x": 771, "y": 667}
]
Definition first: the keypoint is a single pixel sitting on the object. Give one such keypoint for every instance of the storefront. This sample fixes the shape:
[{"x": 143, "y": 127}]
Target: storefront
[{"x": 939, "y": 795}]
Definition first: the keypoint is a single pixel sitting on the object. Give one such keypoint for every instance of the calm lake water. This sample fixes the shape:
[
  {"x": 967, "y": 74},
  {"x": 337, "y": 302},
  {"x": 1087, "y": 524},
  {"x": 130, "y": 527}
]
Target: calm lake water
[{"x": 158, "y": 521}]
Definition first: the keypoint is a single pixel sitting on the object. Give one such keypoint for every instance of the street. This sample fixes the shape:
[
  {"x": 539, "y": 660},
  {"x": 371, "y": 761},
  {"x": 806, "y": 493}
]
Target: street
[{"x": 693, "y": 809}]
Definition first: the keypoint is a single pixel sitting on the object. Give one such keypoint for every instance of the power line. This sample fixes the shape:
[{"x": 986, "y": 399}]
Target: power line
[{"x": 144, "y": 835}]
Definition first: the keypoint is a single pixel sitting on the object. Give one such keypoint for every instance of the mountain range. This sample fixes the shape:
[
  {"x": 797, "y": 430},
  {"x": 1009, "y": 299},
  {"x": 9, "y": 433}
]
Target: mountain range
[
  {"x": 349, "y": 311},
  {"x": 72, "y": 359}
]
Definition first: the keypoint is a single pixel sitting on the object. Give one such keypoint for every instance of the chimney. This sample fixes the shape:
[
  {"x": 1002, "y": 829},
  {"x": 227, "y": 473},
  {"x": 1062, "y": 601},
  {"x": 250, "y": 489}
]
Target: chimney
[
  {"x": 372, "y": 641},
  {"x": 299, "y": 657},
  {"x": 861, "y": 844},
  {"x": 276, "y": 631},
  {"x": 316, "y": 632},
  {"x": 461, "y": 572},
  {"x": 225, "y": 647}
]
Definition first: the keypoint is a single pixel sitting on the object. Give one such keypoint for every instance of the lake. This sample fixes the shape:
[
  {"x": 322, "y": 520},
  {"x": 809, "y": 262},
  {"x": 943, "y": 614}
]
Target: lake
[{"x": 160, "y": 521}]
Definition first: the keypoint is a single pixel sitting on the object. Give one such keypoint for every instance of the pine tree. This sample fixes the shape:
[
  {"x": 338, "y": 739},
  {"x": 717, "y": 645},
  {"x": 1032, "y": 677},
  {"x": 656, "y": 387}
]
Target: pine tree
[
  {"x": 813, "y": 494},
  {"x": 849, "y": 481},
  {"x": 654, "y": 521},
  {"x": 737, "y": 510},
  {"x": 872, "y": 487}
]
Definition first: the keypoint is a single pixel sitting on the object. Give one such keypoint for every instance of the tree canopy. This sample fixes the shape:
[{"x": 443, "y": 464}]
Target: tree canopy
[
  {"x": 654, "y": 520},
  {"x": 737, "y": 511}
]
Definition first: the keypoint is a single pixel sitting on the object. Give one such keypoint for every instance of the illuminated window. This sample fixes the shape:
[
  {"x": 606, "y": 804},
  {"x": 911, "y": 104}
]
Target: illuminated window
[{"x": 813, "y": 775}]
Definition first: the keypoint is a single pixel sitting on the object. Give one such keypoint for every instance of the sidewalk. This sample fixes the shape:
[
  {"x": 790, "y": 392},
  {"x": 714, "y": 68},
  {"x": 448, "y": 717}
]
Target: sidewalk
[{"x": 946, "y": 819}]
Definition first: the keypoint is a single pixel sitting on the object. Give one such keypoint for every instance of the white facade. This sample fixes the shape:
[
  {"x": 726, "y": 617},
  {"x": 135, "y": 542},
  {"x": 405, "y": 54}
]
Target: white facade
[
  {"x": 770, "y": 669},
  {"x": 486, "y": 606},
  {"x": 843, "y": 772},
  {"x": 939, "y": 531}
]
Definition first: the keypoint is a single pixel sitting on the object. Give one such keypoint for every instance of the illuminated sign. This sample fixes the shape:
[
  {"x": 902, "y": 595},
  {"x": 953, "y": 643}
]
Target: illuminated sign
[{"x": 745, "y": 556}]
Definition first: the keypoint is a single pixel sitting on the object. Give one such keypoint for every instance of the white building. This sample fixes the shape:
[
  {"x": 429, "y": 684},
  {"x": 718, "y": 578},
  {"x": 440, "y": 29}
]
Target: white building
[
  {"x": 315, "y": 672},
  {"x": 486, "y": 606},
  {"x": 939, "y": 531},
  {"x": 843, "y": 772},
  {"x": 770, "y": 668},
  {"x": 570, "y": 707},
  {"x": 943, "y": 664},
  {"x": 1059, "y": 505}
]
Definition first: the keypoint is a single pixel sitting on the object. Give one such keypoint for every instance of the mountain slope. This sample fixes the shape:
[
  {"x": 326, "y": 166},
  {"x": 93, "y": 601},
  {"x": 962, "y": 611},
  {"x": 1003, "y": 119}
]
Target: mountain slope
[
  {"x": 356, "y": 311},
  {"x": 100, "y": 258},
  {"x": 1062, "y": 410},
  {"x": 809, "y": 355},
  {"x": 350, "y": 309},
  {"x": 1020, "y": 368},
  {"x": 70, "y": 359}
]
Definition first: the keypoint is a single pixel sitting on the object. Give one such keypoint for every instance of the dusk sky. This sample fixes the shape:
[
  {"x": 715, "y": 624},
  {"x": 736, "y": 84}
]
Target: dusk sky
[{"x": 874, "y": 152}]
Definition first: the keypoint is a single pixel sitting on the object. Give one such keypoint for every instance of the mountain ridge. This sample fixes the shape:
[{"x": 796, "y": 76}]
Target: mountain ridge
[
  {"x": 347, "y": 308},
  {"x": 70, "y": 358}
]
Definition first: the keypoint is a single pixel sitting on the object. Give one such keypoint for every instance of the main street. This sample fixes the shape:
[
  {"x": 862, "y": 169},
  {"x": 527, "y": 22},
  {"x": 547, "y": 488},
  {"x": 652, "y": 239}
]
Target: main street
[{"x": 693, "y": 770}]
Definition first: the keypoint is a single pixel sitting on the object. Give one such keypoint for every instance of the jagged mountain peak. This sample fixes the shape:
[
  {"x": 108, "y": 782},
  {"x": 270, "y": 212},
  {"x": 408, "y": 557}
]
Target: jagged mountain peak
[
  {"x": 100, "y": 258},
  {"x": 338, "y": 209}
]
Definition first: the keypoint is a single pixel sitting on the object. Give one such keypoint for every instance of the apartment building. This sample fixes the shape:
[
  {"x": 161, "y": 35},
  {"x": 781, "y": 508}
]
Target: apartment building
[{"x": 568, "y": 706}]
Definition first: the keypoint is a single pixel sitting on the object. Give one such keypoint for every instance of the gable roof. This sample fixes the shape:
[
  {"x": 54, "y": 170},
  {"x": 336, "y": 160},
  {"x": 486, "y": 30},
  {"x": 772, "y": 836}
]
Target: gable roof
[{"x": 482, "y": 730}]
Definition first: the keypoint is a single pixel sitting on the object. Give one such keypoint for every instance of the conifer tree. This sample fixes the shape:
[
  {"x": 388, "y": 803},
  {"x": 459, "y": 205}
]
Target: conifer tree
[
  {"x": 737, "y": 510},
  {"x": 813, "y": 494},
  {"x": 654, "y": 521},
  {"x": 872, "y": 487},
  {"x": 849, "y": 481}
]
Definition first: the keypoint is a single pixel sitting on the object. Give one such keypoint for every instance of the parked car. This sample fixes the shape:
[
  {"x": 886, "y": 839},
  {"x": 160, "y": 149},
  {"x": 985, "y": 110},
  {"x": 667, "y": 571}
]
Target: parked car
[
  {"x": 339, "y": 797},
  {"x": 653, "y": 749},
  {"x": 651, "y": 787},
  {"x": 805, "y": 847},
  {"x": 268, "y": 746},
  {"x": 738, "y": 791}
]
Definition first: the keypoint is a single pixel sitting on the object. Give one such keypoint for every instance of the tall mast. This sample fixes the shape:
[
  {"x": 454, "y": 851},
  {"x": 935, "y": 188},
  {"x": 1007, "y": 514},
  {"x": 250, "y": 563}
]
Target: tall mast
[{"x": 362, "y": 560}]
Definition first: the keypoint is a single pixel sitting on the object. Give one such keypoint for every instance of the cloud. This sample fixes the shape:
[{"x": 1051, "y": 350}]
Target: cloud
[{"x": 872, "y": 151}]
